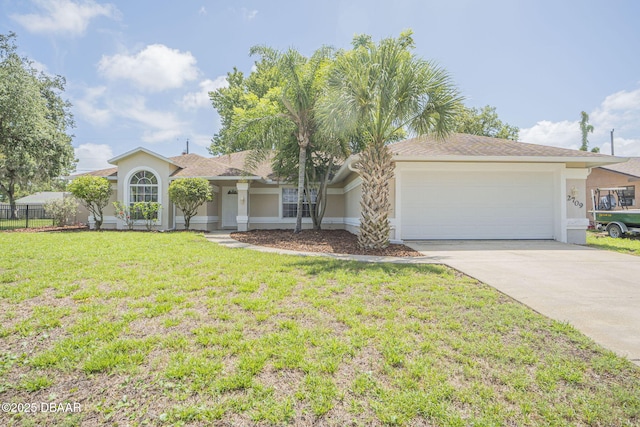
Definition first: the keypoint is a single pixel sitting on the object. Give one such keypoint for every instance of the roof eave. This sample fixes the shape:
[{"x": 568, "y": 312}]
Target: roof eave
[
  {"x": 222, "y": 178},
  {"x": 588, "y": 161},
  {"x": 344, "y": 170}
]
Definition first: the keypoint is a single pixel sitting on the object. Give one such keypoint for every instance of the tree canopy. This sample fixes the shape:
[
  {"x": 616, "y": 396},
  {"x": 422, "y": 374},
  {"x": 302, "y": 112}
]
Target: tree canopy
[
  {"x": 272, "y": 113},
  {"x": 35, "y": 146},
  {"x": 585, "y": 129},
  {"x": 484, "y": 121}
]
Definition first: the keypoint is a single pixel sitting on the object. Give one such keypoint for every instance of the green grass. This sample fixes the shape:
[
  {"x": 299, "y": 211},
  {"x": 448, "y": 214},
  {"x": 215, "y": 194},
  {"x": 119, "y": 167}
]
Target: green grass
[
  {"x": 626, "y": 245},
  {"x": 169, "y": 329},
  {"x": 13, "y": 224}
]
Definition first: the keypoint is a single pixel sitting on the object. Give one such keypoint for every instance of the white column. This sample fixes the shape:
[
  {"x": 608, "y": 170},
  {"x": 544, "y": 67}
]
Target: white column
[
  {"x": 243, "y": 206},
  {"x": 576, "y": 221}
]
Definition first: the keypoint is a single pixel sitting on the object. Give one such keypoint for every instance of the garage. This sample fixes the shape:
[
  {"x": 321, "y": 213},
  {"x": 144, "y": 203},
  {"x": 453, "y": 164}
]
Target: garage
[
  {"x": 458, "y": 203},
  {"x": 471, "y": 187}
]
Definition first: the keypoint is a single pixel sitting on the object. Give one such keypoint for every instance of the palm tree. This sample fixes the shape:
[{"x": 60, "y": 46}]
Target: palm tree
[
  {"x": 376, "y": 93},
  {"x": 585, "y": 128},
  {"x": 287, "y": 112}
]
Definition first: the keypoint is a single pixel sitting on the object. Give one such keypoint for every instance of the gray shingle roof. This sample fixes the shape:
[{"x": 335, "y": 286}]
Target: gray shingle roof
[
  {"x": 109, "y": 172},
  {"x": 41, "y": 197},
  {"x": 195, "y": 165},
  {"x": 631, "y": 167},
  {"x": 459, "y": 144}
]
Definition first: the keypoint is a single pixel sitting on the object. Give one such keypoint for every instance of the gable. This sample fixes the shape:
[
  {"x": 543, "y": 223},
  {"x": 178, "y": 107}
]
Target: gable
[{"x": 144, "y": 160}]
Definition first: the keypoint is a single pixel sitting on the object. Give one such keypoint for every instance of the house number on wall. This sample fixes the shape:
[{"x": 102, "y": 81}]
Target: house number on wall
[{"x": 575, "y": 201}]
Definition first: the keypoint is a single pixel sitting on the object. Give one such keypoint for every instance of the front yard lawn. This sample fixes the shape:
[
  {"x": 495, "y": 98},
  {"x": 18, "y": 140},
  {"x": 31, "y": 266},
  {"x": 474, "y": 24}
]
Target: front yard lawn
[
  {"x": 169, "y": 329},
  {"x": 626, "y": 245}
]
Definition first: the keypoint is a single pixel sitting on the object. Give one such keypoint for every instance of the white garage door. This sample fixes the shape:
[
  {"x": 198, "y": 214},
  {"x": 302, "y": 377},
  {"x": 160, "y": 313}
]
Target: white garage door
[{"x": 476, "y": 205}]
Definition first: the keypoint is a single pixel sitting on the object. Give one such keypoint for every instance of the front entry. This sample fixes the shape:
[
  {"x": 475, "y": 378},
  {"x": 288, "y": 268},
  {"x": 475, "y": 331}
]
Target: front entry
[{"x": 229, "y": 207}]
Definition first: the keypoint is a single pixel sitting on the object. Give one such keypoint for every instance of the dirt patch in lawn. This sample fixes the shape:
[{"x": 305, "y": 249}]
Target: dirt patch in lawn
[{"x": 327, "y": 241}]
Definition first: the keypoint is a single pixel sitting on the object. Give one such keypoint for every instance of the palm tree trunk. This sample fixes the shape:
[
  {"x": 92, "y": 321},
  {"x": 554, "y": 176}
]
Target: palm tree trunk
[
  {"x": 376, "y": 170},
  {"x": 302, "y": 162}
]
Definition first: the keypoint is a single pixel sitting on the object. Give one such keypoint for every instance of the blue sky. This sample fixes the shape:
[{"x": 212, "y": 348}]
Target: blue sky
[{"x": 138, "y": 71}]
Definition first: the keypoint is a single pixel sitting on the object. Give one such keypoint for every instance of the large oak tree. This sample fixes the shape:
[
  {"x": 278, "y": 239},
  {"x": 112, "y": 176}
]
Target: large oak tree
[
  {"x": 484, "y": 121},
  {"x": 35, "y": 145}
]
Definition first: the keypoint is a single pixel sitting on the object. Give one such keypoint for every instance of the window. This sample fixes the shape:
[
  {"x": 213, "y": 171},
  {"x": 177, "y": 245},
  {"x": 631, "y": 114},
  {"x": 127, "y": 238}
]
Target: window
[
  {"x": 628, "y": 196},
  {"x": 143, "y": 187},
  {"x": 290, "y": 203}
]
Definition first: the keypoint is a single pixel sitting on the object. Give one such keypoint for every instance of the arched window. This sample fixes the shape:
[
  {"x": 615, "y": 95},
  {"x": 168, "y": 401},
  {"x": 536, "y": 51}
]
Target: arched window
[{"x": 143, "y": 187}]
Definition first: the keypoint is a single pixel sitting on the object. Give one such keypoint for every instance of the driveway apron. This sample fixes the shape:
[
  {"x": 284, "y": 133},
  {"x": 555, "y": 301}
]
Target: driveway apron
[{"x": 596, "y": 291}]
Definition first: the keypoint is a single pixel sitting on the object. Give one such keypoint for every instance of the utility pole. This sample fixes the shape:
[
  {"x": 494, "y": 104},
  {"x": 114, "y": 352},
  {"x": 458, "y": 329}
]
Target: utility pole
[{"x": 612, "y": 151}]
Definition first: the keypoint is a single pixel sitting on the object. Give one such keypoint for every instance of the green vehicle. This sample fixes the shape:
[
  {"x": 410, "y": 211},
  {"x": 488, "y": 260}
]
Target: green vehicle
[{"x": 611, "y": 213}]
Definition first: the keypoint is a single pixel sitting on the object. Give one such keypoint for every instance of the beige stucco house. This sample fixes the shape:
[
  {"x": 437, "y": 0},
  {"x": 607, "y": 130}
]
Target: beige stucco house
[{"x": 466, "y": 187}]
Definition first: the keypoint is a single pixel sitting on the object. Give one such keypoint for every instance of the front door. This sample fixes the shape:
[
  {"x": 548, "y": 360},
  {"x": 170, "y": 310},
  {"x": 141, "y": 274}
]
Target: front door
[{"x": 229, "y": 207}]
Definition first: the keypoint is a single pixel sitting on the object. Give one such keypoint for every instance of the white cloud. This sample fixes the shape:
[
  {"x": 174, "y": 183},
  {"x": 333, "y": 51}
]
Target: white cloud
[
  {"x": 155, "y": 68},
  {"x": 622, "y": 100},
  {"x": 159, "y": 126},
  {"x": 64, "y": 16},
  {"x": 88, "y": 109},
  {"x": 200, "y": 99},
  {"x": 619, "y": 111},
  {"x": 559, "y": 134},
  {"x": 249, "y": 15},
  {"x": 201, "y": 140},
  {"x": 93, "y": 156},
  {"x": 202, "y": 11}
]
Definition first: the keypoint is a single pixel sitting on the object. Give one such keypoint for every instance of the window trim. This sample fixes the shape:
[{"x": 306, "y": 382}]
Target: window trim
[
  {"x": 281, "y": 203},
  {"x": 633, "y": 199},
  {"x": 127, "y": 189}
]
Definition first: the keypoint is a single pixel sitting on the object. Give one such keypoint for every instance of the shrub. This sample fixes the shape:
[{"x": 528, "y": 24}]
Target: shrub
[
  {"x": 62, "y": 210},
  {"x": 147, "y": 211},
  {"x": 188, "y": 194},
  {"x": 94, "y": 193},
  {"x": 123, "y": 213}
]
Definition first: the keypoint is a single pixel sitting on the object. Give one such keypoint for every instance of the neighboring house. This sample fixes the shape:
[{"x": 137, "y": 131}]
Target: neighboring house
[
  {"x": 621, "y": 175},
  {"x": 39, "y": 199},
  {"x": 466, "y": 187},
  {"x": 31, "y": 206}
]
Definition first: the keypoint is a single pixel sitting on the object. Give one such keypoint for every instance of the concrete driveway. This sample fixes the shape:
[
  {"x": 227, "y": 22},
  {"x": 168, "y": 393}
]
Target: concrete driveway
[{"x": 596, "y": 291}]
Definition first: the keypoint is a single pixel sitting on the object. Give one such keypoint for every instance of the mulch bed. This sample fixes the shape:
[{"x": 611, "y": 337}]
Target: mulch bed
[{"x": 328, "y": 241}]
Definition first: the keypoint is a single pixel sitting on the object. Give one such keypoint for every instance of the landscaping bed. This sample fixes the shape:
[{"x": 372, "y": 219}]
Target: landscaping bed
[
  {"x": 49, "y": 228},
  {"x": 328, "y": 241}
]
